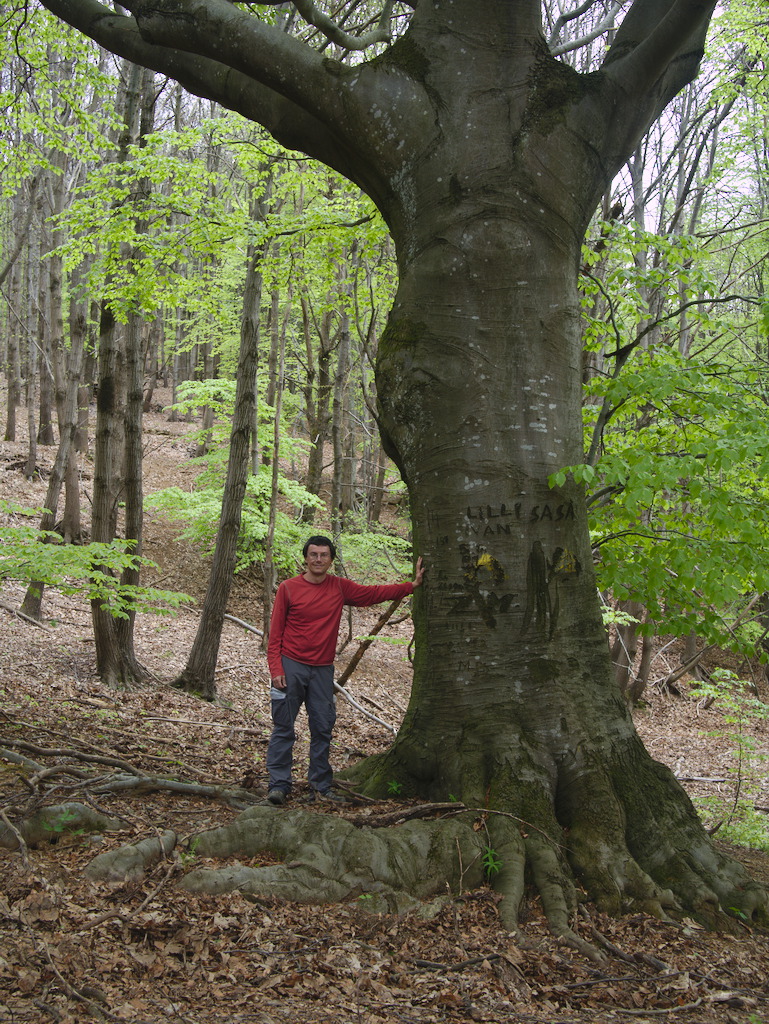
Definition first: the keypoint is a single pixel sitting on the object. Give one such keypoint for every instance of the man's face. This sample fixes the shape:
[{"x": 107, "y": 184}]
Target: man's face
[{"x": 318, "y": 559}]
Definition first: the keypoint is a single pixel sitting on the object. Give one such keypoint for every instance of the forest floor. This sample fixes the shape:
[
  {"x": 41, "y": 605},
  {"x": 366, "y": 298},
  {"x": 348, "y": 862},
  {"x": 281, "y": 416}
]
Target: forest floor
[{"x": 146, "y": 951}]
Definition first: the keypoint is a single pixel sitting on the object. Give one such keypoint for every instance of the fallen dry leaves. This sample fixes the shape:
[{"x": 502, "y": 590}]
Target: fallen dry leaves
[{"x": 145, "y": 952}]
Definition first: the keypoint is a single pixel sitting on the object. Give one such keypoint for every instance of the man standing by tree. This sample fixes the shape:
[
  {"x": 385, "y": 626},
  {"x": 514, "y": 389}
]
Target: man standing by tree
[{"x": 303, "y": 632}]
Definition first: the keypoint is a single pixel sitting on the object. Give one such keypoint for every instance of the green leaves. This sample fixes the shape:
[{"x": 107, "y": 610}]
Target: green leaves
[
  {"x": 676, "y": 430},
  {"x": 28, "y": 555}
]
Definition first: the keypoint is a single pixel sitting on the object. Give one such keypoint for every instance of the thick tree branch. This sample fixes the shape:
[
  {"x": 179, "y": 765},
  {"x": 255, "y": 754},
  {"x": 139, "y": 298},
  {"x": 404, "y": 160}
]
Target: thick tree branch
[
  {"x": 204, "y": 76},
  {"x": 659, "y": 46},
  {"x": 307, "y": 102}
]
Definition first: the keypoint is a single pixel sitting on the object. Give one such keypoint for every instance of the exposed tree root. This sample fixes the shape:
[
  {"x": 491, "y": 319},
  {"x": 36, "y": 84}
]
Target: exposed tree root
[
  {"x": 326, "y": 859},
  {"x": 129, "y": 863},
  {"x": 49, "y": 823},
  {"x": 581, "y": 824},
  {"x": 600, "y": 822}
]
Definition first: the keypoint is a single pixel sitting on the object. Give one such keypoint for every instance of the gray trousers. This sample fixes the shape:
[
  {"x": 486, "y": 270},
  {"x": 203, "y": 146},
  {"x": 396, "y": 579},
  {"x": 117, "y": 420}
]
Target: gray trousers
[{"x": 313, "y": 686}]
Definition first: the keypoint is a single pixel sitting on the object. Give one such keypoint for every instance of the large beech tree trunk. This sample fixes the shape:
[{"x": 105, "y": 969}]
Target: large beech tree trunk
[{"x": 478, "y": 378}]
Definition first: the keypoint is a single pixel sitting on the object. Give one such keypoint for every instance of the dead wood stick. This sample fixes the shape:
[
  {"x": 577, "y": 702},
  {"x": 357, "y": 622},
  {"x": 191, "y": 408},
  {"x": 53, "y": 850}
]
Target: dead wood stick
[
  {"x": 27, "y": 618},
  {"x": 359, "y": 707},
  {"x": 665, "y": 1010},
  {"x": 203, "y": 725},
  {"x": 19, "y": 838},
  {"x": 365, "y": 644},
  {"x": 245, "y": 625},
  {"x": 698, "y": 778},
  {"x": 409, "y": 813},
  {"x": 430, "y": 965},
  {"x": 77, "y": 755},
  {"x": 674, "y": 676}
]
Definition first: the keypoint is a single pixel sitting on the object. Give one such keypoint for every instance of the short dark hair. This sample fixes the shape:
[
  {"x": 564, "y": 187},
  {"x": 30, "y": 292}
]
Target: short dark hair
[{"x": 319, "y": 541}]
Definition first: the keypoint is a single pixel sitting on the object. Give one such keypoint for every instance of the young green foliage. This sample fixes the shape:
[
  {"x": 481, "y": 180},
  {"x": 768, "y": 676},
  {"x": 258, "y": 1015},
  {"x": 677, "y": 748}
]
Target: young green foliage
[{"x": 28, "y": 555}]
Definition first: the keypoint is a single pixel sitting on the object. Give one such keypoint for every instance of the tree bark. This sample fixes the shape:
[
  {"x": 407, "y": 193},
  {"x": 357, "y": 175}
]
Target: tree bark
[
  {"x": 116, "y": 411},
  {"x": 199, "y": 673}
]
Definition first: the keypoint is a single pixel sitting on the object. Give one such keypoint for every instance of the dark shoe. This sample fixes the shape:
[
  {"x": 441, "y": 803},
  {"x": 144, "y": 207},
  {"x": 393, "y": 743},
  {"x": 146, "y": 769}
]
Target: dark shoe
[{"x": 277, "y": 797}]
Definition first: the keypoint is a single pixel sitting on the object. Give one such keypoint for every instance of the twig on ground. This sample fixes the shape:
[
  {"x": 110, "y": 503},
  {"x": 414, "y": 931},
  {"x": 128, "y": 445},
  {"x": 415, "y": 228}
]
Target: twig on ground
[
  {"x": 26, "y": 618},
  {"x": 77, "y": 755},
  {"x": 409, "y": 813},
  {"x": 245, "y": 625},
  {"x": 429, "y": 965},
  {"x": 202, "y": 725},
  {"x": 124, "y": 918},
  {"x": 358, "y": 707},
  {"x": 663, "y": 1011},
  {"x": 19, "y": 838}
]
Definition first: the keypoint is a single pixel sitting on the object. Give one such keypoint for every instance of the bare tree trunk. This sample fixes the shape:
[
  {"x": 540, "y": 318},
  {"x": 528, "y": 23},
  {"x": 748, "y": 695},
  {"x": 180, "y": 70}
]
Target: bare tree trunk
[
  {"x": 25, "y": 207},
  {"x": 377, "y": 496},
  {"x": 32, "y": 603},
  {"x": 318, "y": 392},
  {"x": 199, "y": 674},
  {"x": 45, "y": 432},
  {"x": 115, "y": 658},
  {"x": 12, "y": 361},
  {"x": 625, "y": 646},
  {"x": 641, "y": 680},
  {"x": 269, "y": 564},
  {"x": 341, "y": 484},
  {"x": 152, "y": 362},
  {"x": 71, "y": 525},
  {"x": 132, "y": 488},
  {"x": 31, "y": 320}
]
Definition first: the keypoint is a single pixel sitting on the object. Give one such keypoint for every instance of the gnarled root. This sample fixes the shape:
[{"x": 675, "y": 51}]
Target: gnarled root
[
  {"x": 642, "y": 847},
  {"x": 129, "y": 863},
  {"x": 328, "y": 859},
  {"x": 50, "y": 823}
]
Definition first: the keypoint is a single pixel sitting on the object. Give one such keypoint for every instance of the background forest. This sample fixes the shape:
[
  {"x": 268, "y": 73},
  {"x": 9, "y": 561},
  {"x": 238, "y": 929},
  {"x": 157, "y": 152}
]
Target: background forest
[
  {"x": 164, "y": 261},
  {"x": 151, "y": 241}
]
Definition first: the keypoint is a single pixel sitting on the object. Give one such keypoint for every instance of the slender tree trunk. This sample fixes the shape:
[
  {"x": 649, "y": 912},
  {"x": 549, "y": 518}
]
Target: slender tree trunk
[
  {"x": 641, "y": 681},
  {"x": 269, "y": 564},
  {"x": 199, "y": 673},
  {"x": 318, "y": 392},
  {"x": 31, "y": 319},
  {"x": 112, "y": 667},
  {"x": 12, "y": 361},
  {"x": 71, "y": 524},
  {"x": 26, "y": 204},
  {"x": 341, "y": 483},
  {"x": 625, "y": 646},
  {"x": 45, "y": 432},
  {"x": 115, "y": 424},
  {"x": 152, "y": 362},
  {"x": 377, "y": 496},
  {"x": 32, "y": 603}
]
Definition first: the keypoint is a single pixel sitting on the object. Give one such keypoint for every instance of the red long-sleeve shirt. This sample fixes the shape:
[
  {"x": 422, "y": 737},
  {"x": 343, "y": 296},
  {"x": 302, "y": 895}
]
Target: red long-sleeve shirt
[{"x": 306, "y": 616}]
